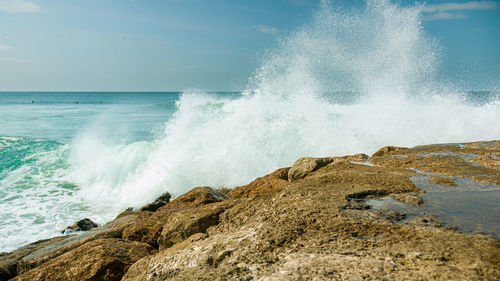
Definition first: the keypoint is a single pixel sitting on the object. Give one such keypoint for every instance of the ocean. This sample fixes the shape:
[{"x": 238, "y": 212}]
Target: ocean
[{"x": 342, "y": 83}]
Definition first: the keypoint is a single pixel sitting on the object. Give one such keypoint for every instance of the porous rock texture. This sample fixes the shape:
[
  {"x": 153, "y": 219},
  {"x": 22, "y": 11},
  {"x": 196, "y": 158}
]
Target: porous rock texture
[
  {"x": 102, "y": 259},
  {"x": 307, "y": 222}
]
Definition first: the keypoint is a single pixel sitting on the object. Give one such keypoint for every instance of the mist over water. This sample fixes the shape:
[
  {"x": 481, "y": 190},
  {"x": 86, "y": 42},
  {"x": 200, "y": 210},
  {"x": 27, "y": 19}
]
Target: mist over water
[{"x": 349, "y": 81}]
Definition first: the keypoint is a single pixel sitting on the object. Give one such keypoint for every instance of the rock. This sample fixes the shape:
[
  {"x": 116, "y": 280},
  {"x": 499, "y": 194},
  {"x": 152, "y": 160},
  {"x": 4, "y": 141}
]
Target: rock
[
  {"x": 197, "y": 196},
  {"x": 275, "y": 228},
  {"x": 270, "y": 183},
  {"x": 103, "y": 259},
  {"x": 373, "y": 215},
  {"x": 81, "y": 225},
  {"x": 46, "y": 250},
  {"x": 426, "y": 222},
  {"x": 148, "y": 230},
  {"x": 307, "y": 165},
  {"x": 159, "y": 202},
  {"x": 349, "y": 158},
  {"x": 388, "y": 150},
  {"x": 182, "y": 224},
  {"x": 8, "y": 263},
  {"x": 408, "y": 198},
  {"x": 192, "y": 259},
  {"x": 304, "y": 166}
]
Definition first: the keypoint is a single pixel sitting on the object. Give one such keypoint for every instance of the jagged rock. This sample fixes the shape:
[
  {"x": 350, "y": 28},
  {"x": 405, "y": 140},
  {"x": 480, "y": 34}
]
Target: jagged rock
[
  {"x": 316, "y": 228},
  {"x": 159, "y": 202},
  {"x": 304, "y": 166},
  {"x": 197, "y": 197},
  {"x": 307, "y": 165},
  {"x": 349, "y": 158},
  {"x": 8, "y": 263},
  {"x": 81, "y": 225},
  {"x": 270, "y": 183},
  {"x": 388, "y": 150},
  {"x": 42, "y": 251},
  {"x": 103, "y": 259},
  {"x": 148, "y": 230},
  {"x": 185, "y": 223}
]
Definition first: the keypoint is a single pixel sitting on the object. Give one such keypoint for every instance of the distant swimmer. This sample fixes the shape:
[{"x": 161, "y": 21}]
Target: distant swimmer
[
  {"x": 76, "y": 102},
  {"x": 32, "y": 101}
]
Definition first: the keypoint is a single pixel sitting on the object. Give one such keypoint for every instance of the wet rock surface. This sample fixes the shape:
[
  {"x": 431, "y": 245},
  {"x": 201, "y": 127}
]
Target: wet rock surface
[
  {"x": 408, "y": 198},
  {"x": 307, "y": 222},
  {"x": 32, "y": 255},
  {"x": 158, "y": 203},
  {"x": 103, "y": 259},
  {"x": 81, "y": 225}
]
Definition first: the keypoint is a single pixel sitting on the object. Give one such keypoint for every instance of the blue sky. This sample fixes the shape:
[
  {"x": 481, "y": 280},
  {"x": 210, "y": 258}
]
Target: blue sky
[{"x": 162, "y": 45}]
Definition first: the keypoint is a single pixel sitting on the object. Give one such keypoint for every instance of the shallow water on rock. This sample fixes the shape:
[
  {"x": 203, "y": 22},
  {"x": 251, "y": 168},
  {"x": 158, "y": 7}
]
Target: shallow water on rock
[{"x": 470, "y": 206}]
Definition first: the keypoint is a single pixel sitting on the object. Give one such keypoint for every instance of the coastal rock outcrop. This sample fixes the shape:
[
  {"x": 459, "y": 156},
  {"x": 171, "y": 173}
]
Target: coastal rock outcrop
[
  {"x": 388, "y": 150},
  {"x": 308, "y": 222},
  {"x": 32, "y": 255},
  {"x": 273, "y": 182},
  {"x": 305, "y": 166},
  {"x": 103, "y": 259},
  {"x": 148, "y": 230},
  {"x": 182, "y": 224}
]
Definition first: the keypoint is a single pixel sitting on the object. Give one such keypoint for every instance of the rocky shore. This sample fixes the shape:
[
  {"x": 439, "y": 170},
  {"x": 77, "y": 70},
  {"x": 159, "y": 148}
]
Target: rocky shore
[{"x": 310, "y": 221}]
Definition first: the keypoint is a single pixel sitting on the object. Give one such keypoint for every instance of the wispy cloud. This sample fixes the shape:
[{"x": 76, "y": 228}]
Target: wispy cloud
[
  {"x": 443, "y": 16},
  {"x": 265, "y": 29},
  {"x": 447, "y": 11},
  {"x": 14, "y": 60},
  {"x": 473, "y": 5},
  {"x": 18, "y": 6},
  {"x": 5, "y": 47}
]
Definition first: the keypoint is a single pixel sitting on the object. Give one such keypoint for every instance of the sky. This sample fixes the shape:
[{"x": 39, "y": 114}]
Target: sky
[{"x": 213, "y": 45}]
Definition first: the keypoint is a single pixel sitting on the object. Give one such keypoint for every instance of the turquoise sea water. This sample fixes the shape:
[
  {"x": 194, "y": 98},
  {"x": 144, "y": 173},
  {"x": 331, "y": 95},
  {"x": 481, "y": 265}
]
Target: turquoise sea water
[{"x": 36, "y": 132}]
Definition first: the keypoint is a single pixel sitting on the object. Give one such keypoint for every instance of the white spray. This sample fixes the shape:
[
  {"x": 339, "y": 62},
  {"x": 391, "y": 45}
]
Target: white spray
[{"x": 296, "y": 105}]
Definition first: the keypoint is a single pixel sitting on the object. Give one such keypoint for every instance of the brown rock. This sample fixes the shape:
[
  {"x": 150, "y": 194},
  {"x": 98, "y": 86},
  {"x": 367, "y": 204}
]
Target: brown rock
[
  {"x": 148, "y": 230},
  {"x": 269, "y": 183},
  {"x": 103, "y": 259},
  {"x": 8, "y": 262},
  {"x": 316, "y": 228},
  {"x": 408, "y": 198},
  {"x": 388, "y": 150},
  {"x": 443, "y": 181},
  {"x": 60, "y": 245},
  {"x": 304, "y": 166},
  {"x": 306, "y": 231},
  {"x": 373, "y": 215},
  {"x": 426, "y": 222},
  {"x": 182, "y": 224},
  {"x": 197, "y": 197}
]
